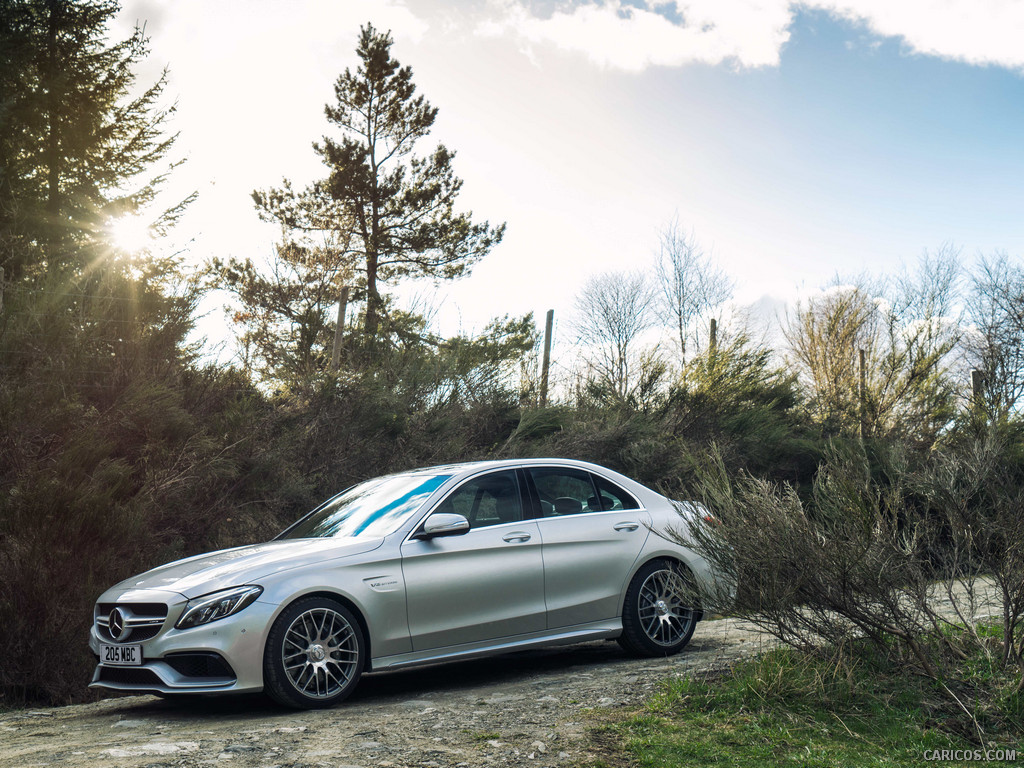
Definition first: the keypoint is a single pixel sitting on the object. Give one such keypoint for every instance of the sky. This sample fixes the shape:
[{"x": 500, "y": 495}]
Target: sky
[{"x": 798, "y": 141}]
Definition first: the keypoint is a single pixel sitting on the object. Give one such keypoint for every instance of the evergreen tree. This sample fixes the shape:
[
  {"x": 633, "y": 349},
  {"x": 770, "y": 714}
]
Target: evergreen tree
[
  {"x": 289, "y": 315},
  {"x": 78, "y": 143},
  {"x": 399, "y": 208},
  {"x": 80, "y": 147},
  {"x": 105, "y": 448}
]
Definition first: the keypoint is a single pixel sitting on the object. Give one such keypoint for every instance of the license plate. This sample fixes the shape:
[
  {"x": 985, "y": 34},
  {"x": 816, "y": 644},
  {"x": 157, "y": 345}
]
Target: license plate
[{"x": 121, "y": 655}]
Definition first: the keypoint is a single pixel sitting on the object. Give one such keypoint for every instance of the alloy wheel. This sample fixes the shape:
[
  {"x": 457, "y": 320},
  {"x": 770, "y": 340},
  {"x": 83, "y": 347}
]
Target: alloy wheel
[
  {"x": 664, "y": 615},
  {"x": 320, "y": 653}
]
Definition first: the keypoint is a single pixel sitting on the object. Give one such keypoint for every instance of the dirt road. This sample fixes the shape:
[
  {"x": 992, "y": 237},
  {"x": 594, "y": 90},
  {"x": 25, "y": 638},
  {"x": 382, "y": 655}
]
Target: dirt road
[{"x": 531, "y": 708}]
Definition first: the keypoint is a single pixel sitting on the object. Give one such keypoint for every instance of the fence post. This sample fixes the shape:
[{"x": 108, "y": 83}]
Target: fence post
[
  {"x": 862, "y": 392},
  {"x": 977, "y": 387},
  {"x": 338, "y": 328},
  {"x": 546, "y": 364}
]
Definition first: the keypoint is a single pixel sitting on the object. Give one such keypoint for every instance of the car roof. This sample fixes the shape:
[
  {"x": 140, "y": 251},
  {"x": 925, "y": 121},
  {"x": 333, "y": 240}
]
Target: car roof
[{"x": 464, "y": 469}]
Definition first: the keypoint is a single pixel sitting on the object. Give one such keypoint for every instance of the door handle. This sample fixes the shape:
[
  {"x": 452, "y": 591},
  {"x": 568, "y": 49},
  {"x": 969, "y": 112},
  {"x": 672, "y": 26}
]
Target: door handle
[
  {"x": 516, "y": 536},
  {"x": 626, "y": 526}
]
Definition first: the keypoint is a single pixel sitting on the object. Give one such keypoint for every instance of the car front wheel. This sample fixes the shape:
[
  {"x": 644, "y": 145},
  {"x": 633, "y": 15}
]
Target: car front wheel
[
  {"x": 314, "y": 654},
  {"x": 659, "y": 615}
]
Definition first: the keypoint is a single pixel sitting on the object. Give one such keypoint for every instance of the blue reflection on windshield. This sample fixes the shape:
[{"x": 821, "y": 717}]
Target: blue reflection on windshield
[{"x": 374, "y": 508}]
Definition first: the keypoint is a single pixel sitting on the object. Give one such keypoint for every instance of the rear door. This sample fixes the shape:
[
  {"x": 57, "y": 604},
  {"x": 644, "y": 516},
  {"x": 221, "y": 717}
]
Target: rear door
[
  {"x": 482, "y": 585},
  {"x": 593, "y": 532}
]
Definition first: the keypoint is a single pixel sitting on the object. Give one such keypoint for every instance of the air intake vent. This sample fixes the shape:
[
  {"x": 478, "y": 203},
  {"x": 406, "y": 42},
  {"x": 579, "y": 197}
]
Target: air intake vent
[{"x": 200, "y": 665}]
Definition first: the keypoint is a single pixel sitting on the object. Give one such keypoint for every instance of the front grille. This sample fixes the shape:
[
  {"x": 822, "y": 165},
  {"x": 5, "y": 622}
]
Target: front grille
[
  {"x": 145, "y": 620},
  {"x": 200, "y": 665},
  {"x": 154, "y": 610},
  {"x": 128, "y": 676}
]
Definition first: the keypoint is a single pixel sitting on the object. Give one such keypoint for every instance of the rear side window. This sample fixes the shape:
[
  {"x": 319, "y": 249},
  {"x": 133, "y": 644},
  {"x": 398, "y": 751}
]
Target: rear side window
[
  {"x": 612, "y": 497},
  {"x": 564, "y": 491}
]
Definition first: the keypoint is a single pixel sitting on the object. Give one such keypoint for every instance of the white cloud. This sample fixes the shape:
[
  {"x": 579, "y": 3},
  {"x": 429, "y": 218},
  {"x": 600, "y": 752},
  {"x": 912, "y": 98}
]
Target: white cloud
[
  {"x": 619, "y": 36},
  {"x": 751, "y": 33},
  {"x": 971, "y": 31}
]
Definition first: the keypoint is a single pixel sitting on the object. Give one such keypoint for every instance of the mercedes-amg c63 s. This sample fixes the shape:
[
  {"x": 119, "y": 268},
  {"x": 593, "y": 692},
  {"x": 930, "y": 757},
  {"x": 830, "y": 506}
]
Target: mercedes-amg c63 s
[{"x": 435, "y": 564}]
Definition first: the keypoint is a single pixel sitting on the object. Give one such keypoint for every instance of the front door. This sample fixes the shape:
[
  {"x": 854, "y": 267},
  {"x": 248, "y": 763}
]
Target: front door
[{"x": 482, "y": 585}]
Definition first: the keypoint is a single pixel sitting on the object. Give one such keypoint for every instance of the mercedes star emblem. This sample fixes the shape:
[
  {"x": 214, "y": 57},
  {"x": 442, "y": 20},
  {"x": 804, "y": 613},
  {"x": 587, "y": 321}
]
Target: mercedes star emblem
[{"x": 118, "y": 625}]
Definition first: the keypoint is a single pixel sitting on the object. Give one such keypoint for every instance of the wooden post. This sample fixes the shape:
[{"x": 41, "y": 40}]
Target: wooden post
[
  {"x": 862, "y": 392},
  {"x": 713, "y": 336},
  {"x": 546, "y": 364},
  {"x": 338, "y": 328}
]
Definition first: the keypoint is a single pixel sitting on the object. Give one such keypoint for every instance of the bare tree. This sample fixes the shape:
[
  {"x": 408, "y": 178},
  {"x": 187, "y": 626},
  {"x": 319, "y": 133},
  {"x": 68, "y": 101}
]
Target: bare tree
[
  {"x": 907, "y": 331},
  {"x": 691, "y": 285},
  {"x": 996, "y": 312},
  {"x": 824, "y": 337},
  {"x": 913, "y": 386},
  {"x": 612, "y": 312}
]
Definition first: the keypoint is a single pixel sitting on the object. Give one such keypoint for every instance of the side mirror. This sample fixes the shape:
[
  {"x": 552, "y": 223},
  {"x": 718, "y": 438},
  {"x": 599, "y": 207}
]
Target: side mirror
[{"x": 443, "y": 524}]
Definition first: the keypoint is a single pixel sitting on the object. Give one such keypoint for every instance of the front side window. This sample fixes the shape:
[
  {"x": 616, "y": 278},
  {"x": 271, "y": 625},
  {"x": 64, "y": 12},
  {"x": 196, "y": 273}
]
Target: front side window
[
  {"x": 487, "y": 500},
  {"x": 564, "y": 491},
  {"x": 374, "y": 508}
]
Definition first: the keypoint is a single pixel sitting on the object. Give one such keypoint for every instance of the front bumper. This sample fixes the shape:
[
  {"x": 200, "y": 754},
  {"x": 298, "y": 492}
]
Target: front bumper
[{"x": 224, "y": 656}]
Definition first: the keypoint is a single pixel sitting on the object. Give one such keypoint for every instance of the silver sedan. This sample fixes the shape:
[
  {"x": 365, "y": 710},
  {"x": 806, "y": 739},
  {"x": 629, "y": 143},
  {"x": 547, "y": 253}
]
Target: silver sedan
[{"x": 434, "y": 564}]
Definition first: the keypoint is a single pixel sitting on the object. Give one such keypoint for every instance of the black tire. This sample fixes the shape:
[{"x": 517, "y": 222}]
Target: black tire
[
  {"x": 314, "y": 655},
  {"x": 659, "y": 614}
]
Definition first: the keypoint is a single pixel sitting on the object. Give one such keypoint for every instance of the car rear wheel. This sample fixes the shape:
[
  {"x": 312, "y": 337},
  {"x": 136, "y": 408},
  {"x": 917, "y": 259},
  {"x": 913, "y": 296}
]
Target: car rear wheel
[
  {"x": 660, "y": 612},
  {"x": 314, "y": 654}
]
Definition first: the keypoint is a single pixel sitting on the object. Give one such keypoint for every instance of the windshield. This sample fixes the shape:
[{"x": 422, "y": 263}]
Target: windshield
[{"x": 374, "y": 508}]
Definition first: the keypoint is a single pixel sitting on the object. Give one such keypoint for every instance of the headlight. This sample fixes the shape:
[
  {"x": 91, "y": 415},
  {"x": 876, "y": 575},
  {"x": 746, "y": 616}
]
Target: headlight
[{"x": 217, "y": 605}]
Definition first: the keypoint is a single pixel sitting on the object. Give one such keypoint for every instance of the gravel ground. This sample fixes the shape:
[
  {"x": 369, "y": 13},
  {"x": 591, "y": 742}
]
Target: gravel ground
[{"x": 530, "y": 708}]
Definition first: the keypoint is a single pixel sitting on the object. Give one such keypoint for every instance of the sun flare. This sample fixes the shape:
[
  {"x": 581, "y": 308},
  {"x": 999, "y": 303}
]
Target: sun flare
[{"x": 130, "y": 233}]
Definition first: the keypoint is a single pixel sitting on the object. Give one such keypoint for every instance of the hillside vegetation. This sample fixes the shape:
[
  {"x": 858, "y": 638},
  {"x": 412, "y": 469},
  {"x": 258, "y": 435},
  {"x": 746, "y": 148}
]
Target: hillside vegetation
[{"x": 121, "y": 448}]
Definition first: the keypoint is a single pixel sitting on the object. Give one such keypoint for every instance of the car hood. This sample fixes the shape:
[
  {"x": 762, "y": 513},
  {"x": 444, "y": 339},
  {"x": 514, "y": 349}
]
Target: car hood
[{"x": 201, "y": 574}]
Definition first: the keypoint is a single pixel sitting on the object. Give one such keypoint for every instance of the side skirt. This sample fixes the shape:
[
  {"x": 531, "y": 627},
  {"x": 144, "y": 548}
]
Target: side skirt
[{"x": 598, "y": 630}]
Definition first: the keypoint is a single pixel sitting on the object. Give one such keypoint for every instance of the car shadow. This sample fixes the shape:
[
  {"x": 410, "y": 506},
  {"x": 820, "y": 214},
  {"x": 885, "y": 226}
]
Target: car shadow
[
  {"x": 382, "y": 687},
  {"x": 484, "y": 672}
]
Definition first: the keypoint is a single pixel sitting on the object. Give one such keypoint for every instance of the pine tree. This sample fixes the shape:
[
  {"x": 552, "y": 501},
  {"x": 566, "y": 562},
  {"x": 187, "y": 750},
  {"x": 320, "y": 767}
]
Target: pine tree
[
  {"x": 81, "y": 146},
  {"x": 288, "y": 316},
  {"x": 104, "y": 450},
  {"x": 398, "y": 208},
  {"x": 78, "y": 143}
]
